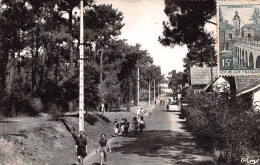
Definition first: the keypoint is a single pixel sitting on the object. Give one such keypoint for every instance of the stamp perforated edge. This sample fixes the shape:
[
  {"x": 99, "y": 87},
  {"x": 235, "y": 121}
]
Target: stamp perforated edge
[{"x": 230, "y": 2}]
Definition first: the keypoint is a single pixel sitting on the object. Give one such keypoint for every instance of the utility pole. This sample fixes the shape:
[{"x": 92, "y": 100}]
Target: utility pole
[
  {"x": 149, "y": 91},
  {"x": 81, "y": 72},
  {"x": 101, "y": 65},
  {"x": 138, "y": 80},
  {"x": 211, "y": 70},
  {"x": 101, "y": 80},
  {"x": 158, "y": 89},
  {"x": 154, "y": 90}
]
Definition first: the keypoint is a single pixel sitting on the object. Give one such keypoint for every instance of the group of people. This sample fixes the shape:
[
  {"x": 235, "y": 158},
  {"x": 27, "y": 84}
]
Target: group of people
[
  {"x": 121, "y": 126},
  {"x": 137, "y": 123}
]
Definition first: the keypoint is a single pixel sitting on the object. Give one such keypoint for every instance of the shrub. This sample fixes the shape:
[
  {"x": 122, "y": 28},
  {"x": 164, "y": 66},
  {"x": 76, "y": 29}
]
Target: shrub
[
  {"x": 91, "y": 119},
  {"x": 32, "y": 106},
  {"x": 16, "y": 103},
  {"x": 229, "y": 123}
]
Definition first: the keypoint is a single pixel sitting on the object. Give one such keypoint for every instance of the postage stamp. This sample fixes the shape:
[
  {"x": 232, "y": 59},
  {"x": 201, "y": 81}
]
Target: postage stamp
[{"x": 238, "y": 30}]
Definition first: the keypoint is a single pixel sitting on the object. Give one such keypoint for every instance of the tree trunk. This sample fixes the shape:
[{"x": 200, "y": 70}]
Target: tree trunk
[
  {"x": 57, "y": 66},
  {"x": 44, "y": 58},
  {"x": 19, "y": 62},
  {"x": 128, "y": 95},
  {"x": 71, "y": 41},
  {"x": 10, "y": 66}
]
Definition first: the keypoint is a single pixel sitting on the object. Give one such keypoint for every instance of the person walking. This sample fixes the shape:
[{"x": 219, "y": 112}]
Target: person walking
[
  {"x": 81, "y": 146},
  {"x": 135, "y": 125},
  {"x": 103, "y": 109},
  {"x": 142, "y": 125},
  {"x": 141, "y": 112},
  {"x": 122, "y": 126},
  {"x": 126, "y": 127},
  {"x": 116, "y": 127},
  {"x": 138, "y": 112},
  {"x": 104, "y": 147}
]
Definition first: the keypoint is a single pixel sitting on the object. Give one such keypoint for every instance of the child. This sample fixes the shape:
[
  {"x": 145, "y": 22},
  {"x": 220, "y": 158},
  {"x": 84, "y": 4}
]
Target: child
[
  {"x": 135, "y": 125},
  {"x": 142, "y": 125},
  {"x": 122, "y": 126},
  {"x": 126, "y": 127},
  {"x": 116, "y": 127}
]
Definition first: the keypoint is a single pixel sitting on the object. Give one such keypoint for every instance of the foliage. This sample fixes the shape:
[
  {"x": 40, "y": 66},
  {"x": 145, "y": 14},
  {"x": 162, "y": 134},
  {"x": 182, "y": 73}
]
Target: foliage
[
  {"x": 181, "y": 29},
  {"x": 39, "y": 58},
  {"x": 186, "y": 21},
  {"x": 255, "y": 16},
  {"x": 91, "y": 118},
  {"x": 176, "y": 79},
  {"x": 200, "y": 52},
  {"x": 227, "y": 121}
]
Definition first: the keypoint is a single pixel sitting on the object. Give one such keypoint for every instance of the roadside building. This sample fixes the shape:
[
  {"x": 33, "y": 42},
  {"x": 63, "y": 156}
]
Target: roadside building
[
  {"x": 220, "y": 84},
  {"x": 249, "y": 86},
  {"x": 201, "y": 77},
  {"x": 165, "y": 90}
]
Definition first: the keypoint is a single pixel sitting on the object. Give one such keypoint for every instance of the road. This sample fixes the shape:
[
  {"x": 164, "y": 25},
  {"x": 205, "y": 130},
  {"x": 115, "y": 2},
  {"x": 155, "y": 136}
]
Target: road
[{"x": 164, "y": 142}]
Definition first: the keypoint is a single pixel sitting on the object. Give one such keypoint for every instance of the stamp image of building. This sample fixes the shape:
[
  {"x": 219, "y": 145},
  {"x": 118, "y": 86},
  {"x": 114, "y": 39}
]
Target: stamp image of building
[{"x": 239, "y": 44}]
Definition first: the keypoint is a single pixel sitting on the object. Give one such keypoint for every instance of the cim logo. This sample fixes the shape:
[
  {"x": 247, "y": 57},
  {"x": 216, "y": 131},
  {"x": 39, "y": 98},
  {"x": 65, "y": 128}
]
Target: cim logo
[{"x": 249, "y": 161}]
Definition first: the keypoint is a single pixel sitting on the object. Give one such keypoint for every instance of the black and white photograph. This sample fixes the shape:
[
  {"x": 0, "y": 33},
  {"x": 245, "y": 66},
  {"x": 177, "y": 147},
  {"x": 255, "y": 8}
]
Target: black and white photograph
[{"x": 129, "y": 82}]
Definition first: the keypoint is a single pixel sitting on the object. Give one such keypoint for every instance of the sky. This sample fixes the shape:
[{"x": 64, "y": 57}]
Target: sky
[
  {"x": 244, "y": 11},
  {"x": 143, "y": 24}
]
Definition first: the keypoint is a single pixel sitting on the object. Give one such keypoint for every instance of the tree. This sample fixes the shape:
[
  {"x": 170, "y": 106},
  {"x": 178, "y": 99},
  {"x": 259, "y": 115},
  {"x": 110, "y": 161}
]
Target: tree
[
  {"x": 221, "y": 17},
  {"x": 255, "y": 16},
  {"x": 200, "y": 52},
  {"x": 176, "y": 79},
  {"x": 186, "y": 21}
]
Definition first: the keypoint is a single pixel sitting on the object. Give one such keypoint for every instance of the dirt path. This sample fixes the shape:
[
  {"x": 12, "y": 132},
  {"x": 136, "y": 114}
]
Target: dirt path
[{"x": 165, "y": 142}]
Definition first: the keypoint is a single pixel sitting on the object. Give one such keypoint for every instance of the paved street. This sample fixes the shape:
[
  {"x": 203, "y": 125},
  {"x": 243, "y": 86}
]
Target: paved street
[{"x": 164, "y": 142}]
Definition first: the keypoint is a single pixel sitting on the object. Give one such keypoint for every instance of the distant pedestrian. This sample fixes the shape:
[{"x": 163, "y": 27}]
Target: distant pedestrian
[
  {"x": 135, "y": 125},
  {"x": 116, "y": 127},
  {"x": 141, "y": 112},
  {"x": 138, "y": 112},
  {"x": 167, "y": 107},
  {"x": 126, "y": 127},
  {"x": 122, "y": 126},
  {"x": 142, "y": 125},
  {"x": 154, "y": 102},
  {"x": 150, "y": 113},
  {"x": 103, "y": 109}
]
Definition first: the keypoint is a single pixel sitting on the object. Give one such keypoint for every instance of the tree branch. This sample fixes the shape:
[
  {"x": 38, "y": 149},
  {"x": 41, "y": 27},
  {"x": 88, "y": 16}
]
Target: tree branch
[{"x": 211, "y": 22}]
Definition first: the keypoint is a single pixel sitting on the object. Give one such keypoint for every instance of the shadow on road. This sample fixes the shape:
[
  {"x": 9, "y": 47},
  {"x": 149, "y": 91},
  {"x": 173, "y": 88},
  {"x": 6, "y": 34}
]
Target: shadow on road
[
  {"x": 164, "y": 110},
  {"x": 180, "y": 148}
]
